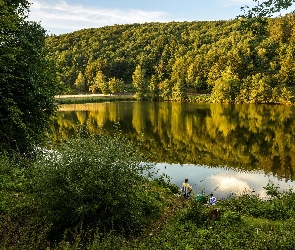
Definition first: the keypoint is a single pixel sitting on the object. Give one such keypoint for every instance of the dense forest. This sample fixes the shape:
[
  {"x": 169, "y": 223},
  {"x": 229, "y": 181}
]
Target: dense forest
[{"x": 168, "y": 61}]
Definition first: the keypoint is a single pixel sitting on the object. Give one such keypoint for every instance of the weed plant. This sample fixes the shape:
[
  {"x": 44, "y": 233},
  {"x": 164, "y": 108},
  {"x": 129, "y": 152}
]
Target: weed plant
[{"x": 95, "y": 193}]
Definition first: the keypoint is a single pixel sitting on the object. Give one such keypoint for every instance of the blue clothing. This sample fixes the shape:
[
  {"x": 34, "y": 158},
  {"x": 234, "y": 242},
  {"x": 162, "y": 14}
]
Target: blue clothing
[{"x": 212, "y": 200}]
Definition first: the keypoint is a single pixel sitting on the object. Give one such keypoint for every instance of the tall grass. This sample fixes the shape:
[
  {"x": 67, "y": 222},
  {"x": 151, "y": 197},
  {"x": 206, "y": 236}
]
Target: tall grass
[{"x": 93, "y": 193}]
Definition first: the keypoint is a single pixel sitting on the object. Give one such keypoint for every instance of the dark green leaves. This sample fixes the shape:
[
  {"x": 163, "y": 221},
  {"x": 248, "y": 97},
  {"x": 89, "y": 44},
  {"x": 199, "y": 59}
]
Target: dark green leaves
[
  {"x": 266, "y": 8},
  {"x": 97, "y": 182},
  {"x": 27, "y": 81}
]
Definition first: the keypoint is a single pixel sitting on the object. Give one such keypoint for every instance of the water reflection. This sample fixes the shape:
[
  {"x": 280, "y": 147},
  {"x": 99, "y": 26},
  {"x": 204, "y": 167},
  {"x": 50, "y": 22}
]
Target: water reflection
[
  {"x": 221, "y": 181},
  {"x": 244, "y": 138}
]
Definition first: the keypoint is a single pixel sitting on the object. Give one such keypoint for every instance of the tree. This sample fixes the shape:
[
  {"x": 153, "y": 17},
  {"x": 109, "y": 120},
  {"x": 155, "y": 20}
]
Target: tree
[
  {"x": 91, "y": 70},
  {"x": 255, "y": 18},
  {"x": 287, "y": 63},
  {"x": 154, "y": 91},
  {"x": 256, "y": 89},
  {"x": 179, "y": 92},
  {"x": 99, "y": 81},
  {"x": 115, "y": 85},
  {"x": 139, "y": 82},
  {"x": 196, "y": 74},
  {"x": 102, "y": 83},
  {"x": 166, "y": 89},
  {"x": 266, "y": 8},
  {"x": 27, "y": 80},
  {"x": 226, "y": 87},
  {"x": 80, "y": 82}
]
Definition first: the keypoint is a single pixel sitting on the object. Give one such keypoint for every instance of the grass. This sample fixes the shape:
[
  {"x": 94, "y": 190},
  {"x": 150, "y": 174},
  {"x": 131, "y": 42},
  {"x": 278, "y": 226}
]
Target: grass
[
  {"x": 129, "y": 96},
  {"x": 80, "y": 99},
  {"x": 246, "y": 222}
]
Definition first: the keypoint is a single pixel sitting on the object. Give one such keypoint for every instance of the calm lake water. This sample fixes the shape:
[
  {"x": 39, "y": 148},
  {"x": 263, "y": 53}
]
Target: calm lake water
[{"x": 220, "y": 148}]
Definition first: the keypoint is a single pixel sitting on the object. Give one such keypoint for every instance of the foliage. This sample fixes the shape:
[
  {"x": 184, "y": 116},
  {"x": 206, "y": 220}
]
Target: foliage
[
  {"x": 247, "y": 222},
  {"x": 116, "y": 85},
  {"x": 113, "y": 85},
  {"x": 97, "y": 182},
  {"x": 191, "y": 229},
  {"x": 283, "y": 95},
  {"x": 166, "y": 87},
  {"x": 80, "y": 82},
  {"x": 195, "y": 57},
  {"x": 277, "y": 207},
  {"x": 27, "y": 80},
  {"x": 226, "y": 88},
  {"x": 195, "y": 212},
  {"x": 154, "y": 91},
  {"x": 17, "y": 226},
  {"x": 139, "y": 82},
  {"x": 179, "y": 92},
  {"x": 99, "y": 83},
  {"x": 165, "y": 182},
  {"x": 233, "y": 231},
  {"x": 256, "y": 89},
  {"x": 266, "y": 8}
]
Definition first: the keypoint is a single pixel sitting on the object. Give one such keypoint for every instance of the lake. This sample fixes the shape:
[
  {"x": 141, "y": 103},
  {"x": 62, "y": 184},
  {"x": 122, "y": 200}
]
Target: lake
[{"x": 220, "y": 148}]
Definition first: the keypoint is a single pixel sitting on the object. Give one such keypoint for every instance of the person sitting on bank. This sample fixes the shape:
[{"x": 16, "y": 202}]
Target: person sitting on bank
[
  {"x": 212, "y": 200},
  {"x": 186, "y": 189}
]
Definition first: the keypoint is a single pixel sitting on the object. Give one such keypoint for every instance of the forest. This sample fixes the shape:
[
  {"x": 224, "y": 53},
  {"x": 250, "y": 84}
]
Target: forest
[{"x": 168, "y": 61}]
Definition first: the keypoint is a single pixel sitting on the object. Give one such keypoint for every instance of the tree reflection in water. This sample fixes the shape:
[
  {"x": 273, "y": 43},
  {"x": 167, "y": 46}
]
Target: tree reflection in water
[{"x": 243, "y": 138}]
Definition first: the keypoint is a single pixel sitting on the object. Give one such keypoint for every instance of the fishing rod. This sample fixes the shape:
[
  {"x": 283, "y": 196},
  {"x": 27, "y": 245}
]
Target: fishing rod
[
  {"x": 206, "y": 178},
  {"x": 252, "y": 190},
  {"x": 216, "y": 188}
]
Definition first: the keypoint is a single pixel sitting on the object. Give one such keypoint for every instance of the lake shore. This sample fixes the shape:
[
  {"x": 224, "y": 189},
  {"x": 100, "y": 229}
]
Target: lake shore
[
  {"x": 127, "y": 96},
  {"x": 93, "y": 98}
]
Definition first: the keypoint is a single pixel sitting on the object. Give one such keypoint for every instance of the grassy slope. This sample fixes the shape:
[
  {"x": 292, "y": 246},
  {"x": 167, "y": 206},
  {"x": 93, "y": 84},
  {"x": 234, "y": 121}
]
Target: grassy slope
[{"x": 246, "y": 222}]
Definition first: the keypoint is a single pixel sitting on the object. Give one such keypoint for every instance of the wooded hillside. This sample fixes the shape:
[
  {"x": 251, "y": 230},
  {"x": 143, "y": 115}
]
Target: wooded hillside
[{"x": 167, "y": 60}]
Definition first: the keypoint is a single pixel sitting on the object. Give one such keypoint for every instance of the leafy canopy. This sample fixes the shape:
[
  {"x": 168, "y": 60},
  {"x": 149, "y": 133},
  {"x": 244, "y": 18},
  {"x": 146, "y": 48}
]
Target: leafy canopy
[
  {"x": 266, "y": 8},
  {"x": 27, "y": 79}
]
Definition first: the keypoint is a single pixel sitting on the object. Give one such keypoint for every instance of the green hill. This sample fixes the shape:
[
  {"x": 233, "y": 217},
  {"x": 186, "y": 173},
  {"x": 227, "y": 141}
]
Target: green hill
[{"x": 218, "y": 57}]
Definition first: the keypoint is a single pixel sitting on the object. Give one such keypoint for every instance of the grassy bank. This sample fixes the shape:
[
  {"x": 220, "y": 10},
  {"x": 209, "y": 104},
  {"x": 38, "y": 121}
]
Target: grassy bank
[
  {"x": 89, "y": 193},
  {"x": 80, "y": 99}
]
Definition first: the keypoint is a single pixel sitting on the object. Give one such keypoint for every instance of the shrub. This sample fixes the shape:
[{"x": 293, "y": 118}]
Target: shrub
[
  {"x": 196, "y": 212},
  {"x": 97, "y": 182},
  {"x": 18, "y": 230},
  {"x": 165, "y": 182},
  {"x": 231, "y": 218}
]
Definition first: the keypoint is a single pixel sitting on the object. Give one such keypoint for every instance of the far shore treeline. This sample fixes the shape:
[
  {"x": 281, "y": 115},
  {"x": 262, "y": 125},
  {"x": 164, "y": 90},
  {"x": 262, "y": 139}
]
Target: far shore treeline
[{"x": 169, "y": 61}]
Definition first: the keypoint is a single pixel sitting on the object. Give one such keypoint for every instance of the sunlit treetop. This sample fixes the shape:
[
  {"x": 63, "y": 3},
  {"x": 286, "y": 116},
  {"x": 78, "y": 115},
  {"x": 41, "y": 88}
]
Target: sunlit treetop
[{"x": 266, "y": 8}]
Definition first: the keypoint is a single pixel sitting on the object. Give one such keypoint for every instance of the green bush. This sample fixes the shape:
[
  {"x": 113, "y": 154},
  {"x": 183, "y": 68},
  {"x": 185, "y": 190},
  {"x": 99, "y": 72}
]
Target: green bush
[
  {"x": 195, "y": 212},
  {"x": 165, "y": 182},
  {"x": 279, "y": 206},
  {"x": 18, "y": 227},
  {"x": 96, "y": 182},
  {"x": 231, "y": 218}
]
